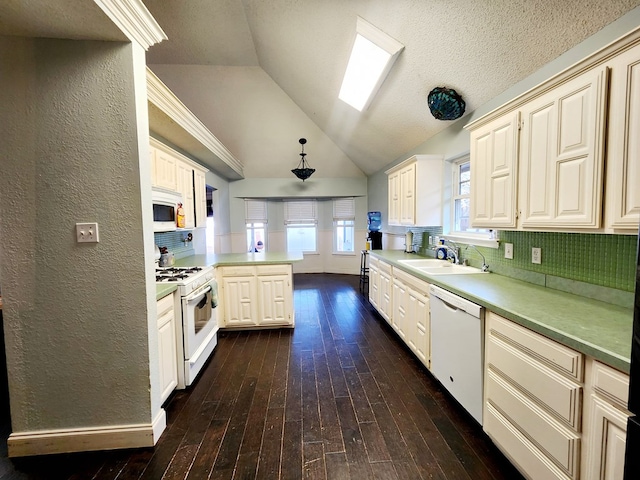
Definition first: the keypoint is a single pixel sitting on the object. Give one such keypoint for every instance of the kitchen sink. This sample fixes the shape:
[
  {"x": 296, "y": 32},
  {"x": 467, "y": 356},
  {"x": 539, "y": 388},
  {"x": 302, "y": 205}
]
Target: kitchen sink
[{"x": 433, "y": 266}]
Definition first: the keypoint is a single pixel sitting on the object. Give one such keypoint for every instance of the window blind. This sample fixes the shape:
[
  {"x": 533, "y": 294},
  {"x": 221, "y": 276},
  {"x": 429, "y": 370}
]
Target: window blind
[
  {"x": 300, "y": 211},
  {"x": 344, "y": 209},
  {"x": 255, "y": 210}
]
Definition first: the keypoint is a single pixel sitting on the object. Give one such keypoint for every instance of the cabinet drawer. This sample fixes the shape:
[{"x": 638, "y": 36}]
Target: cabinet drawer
[
  {"x": 165, "y": 304},
  {"x": 558, "y": 442},
  {"x": 282, "y": 269},
  {"x": 384, "y": 267},
  {"x": 611, "y": 384},
  {"x": 556, "y": 356},
  {"x": 550, "y": 389},
  {"x": 524, "y": 454},
  {"x": 416, "y": 283},
  {"x": 238, "y": 271}
]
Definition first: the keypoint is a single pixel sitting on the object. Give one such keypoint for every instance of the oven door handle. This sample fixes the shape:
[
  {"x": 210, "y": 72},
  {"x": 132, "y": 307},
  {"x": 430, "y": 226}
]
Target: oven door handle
[{"x": 197, "y": 293}]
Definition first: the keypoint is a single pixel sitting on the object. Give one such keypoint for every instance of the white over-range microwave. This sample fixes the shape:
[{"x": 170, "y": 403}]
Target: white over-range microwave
[{"x": 165, "y": 206}]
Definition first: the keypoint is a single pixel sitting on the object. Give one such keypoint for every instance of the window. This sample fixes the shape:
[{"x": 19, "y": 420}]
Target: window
[
  {"x": 461, "y": 229},
  {"x": 256, "y": 218},
  {"x": 300, "y": 219},
  {"x": 344, "y": 213}
]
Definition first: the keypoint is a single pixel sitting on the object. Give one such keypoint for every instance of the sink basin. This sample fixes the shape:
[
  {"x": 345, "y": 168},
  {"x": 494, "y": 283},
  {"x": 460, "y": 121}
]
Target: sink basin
[{"x": 432, "y": 266}]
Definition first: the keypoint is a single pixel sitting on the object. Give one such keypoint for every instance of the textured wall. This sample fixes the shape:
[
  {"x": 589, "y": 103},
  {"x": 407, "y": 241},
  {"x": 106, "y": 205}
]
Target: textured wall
[{"x": 75, "y": 314}]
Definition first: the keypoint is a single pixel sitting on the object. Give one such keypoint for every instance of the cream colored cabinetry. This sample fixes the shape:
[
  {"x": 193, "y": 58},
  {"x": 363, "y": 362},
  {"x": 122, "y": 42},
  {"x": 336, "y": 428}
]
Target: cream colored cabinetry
[
  {"x": 163, "y": 168},
  {"x": 200, "y": 197},
  {"x": 374, "y": 282},
  {"x": 494, "y": 173},
  {"x": 184, "y": 173},
  {"x": 411, "y": 316},
  {"x": 167, "y": 345},
  {"x": 605, "y": 422},
  {"x": 256, "y": 295},
  {"x": 415, "y": 191},
  {"x": 562, "y": 154},
  {"x": 385, "y": 289},
  {"x": 623, "y": 144},
  {"x": 533, "y": 392}
]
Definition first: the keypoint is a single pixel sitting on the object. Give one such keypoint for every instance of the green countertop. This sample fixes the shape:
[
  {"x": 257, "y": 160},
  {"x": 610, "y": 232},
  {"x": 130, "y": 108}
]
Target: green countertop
[
  {"x": 265, "y": 258},
  {"x": 598, "y": 329}
]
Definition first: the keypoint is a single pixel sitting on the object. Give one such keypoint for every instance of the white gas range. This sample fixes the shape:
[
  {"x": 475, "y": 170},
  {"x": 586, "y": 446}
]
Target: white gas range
[{"x": 197, "y": 332}]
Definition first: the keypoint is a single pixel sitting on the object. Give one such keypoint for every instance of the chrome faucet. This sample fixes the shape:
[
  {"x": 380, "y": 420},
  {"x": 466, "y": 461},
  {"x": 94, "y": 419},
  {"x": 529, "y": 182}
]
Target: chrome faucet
[{"x": 485, "y": 267}]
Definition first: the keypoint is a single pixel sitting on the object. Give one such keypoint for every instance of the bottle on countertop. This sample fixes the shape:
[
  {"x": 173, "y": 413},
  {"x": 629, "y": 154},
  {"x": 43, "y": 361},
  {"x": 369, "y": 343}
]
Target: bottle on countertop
[{"x": 180, "y": 222}]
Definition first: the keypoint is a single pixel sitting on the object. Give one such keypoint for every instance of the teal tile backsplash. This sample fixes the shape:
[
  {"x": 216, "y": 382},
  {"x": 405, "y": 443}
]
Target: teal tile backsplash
[{"x": 174, "y": 242}]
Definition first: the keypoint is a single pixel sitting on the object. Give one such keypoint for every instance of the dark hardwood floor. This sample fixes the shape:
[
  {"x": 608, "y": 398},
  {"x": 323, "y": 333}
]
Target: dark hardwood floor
[{"x": 338, "y": 397}]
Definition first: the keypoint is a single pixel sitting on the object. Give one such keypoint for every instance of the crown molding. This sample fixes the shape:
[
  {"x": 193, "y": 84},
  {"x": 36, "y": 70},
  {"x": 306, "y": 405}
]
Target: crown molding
[
  {"x": 176, "y": 123},
  {"x": 135, "y": 21}
]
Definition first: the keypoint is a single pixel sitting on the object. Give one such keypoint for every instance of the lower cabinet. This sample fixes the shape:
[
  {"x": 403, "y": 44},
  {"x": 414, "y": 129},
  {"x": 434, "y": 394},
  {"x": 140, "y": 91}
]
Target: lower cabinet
[
  {"x": 374, "y": 282},
  {"x": 256, "y": 296},
  {"x": 605, "y": 422},
  {"x": 385, "y": 288},
  {"x": 533, "y": 392},
  {"x": 167, "y": 345},
  {"x": 411, "y": 316}
]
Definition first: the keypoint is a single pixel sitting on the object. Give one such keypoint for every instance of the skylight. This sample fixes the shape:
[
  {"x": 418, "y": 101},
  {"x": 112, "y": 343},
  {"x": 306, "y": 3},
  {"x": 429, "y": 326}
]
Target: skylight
[{"x": 372, "y": 57}]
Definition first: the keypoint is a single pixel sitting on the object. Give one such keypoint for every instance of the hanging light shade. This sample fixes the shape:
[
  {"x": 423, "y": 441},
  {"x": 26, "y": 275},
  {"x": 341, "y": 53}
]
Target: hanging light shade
[
  {"x": 445, "y": 103},
  {"x": 303, "y": 171}
]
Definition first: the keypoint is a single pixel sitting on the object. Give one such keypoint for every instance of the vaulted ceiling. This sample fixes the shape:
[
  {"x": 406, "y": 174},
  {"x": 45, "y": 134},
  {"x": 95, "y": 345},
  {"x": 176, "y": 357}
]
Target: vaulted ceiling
[{"x": 262, "y": 73}]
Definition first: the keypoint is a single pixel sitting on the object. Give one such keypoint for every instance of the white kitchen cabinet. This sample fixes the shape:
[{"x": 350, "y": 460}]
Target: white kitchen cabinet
[
  {"x": 256, "y": 296},
  {"x": 163, "y": 167},
  {"x": 374, "y": 282},
  {"x": 415, "y": 191},
  {"x": 533, "y": 392},
  {"x": 623, "y": 143},
  {"x": 200, "y": 197},
  {"x": 385, "y": 288},
  {"x": 562, "y": 154},
  {"x": 411, "y": 315},
  {"x": 494, "y": 173},
  {"x": 184, "y": 174},
  {"x": 605, "y": 423},
  {"x": 167, "y": 345}
]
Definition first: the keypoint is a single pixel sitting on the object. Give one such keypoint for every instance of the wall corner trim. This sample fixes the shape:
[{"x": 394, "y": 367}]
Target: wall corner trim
[
  {"x": 44, "y": 442},
  {"x": 135, "y": 21}
]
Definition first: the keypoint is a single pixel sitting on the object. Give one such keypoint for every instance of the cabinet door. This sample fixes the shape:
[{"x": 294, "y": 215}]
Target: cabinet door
[
  {"x": 408, "y": 195},
  {"x": 239, "y": 300},
  {"x": 167, "y": 346},
  {"x": 274, "y": 300},
  {"x": 401, "y": 313},
  {"x": 185, "y": 187},
  {"x": 623, "y": 157},
  {"x": 386, "y": 293},
  {"x": 419, "y": 325},
  {"x": 374, "y": 284},
  {"x": 562, "y": 154},
  {"x": 394, "y": 198},
  {"x": 165, "y": 170},
  {"x": 200, "y": 198},
  {"x": 494, "y": 173}
]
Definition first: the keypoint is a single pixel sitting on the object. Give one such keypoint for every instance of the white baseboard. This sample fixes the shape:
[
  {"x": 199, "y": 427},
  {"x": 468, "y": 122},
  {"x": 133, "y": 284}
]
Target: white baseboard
[{"x": 44, "y": 442}]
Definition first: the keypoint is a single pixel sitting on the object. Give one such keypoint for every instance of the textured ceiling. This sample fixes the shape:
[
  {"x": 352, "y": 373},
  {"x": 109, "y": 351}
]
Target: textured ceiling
[{"x": 480, "y": 48}]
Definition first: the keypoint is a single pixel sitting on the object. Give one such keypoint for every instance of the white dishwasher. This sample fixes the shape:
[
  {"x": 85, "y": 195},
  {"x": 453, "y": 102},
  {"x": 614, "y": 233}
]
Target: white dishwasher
[{"x": 457, "y": 340}]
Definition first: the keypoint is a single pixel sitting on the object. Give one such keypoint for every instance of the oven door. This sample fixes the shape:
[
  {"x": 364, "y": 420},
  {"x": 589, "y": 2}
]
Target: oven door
[{"x": 199, "y": 327}]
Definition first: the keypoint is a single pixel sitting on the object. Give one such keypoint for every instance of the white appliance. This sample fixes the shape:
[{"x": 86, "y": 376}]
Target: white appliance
[
  {"x": 197, "y": 331},
  {"x": 165, "y": 206},
  {"x": 457, "y": 346}
]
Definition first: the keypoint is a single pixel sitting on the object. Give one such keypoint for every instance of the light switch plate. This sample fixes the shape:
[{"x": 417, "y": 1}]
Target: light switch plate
[
  {"x": 508, "y": 251},
  {"x": 536, "y": 255},
  {"x": 87, "y": 233}
]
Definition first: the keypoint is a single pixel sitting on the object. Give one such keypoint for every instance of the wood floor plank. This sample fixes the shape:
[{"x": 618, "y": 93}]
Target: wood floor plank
[
  {"x": 331, "y": 433},
  {"x": 313, "y": 461},
  {"x": 291, "y": 466},
  {"x": 311, "y": 427},
  {"x": 337, "y": 466},
  {"x": 271, "y": 451},
  {"x": 358, "y": 397},
  {"x": 208, "y": 452}
]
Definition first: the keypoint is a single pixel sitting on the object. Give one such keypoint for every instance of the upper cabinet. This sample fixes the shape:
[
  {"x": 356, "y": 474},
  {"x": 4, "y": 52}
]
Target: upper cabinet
[
  {"x": 175, "y": 172},
  {"x": 623, "y": 143},
  {"x": 494, "y": 162},
  {"x": 564, "y": 155},
  {"x": 415, "y": 191}
]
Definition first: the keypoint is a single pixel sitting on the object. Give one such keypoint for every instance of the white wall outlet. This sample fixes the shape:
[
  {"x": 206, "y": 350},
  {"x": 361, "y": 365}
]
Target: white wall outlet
[
  {"x": 508, "y": 251},
  {"x": 87, "y": 233},
  {"x": 536, "y": 255}
]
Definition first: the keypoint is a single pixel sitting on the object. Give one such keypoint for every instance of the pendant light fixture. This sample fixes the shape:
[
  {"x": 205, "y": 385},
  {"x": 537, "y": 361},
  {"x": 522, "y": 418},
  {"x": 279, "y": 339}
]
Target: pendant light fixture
[{"x": 303, "y": 171}]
